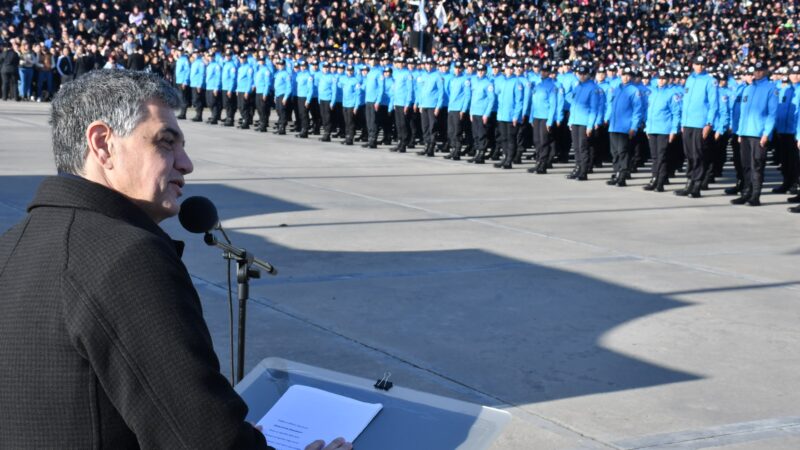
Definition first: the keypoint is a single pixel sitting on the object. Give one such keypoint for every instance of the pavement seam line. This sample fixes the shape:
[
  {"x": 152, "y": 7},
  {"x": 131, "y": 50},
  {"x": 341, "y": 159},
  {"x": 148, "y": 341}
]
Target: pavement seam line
[{"x": 791, "y": 428}]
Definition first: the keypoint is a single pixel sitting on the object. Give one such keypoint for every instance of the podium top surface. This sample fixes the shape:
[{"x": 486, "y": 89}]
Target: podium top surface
[{"x": 409, "y": 419}]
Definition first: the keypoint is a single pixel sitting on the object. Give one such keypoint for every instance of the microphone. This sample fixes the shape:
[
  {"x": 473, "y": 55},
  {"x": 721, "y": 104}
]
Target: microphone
[{"x": 198, "y": 215}]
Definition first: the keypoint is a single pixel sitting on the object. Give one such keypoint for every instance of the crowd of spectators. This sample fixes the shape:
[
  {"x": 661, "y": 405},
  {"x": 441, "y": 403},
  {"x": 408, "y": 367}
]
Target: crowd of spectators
[{"x": 46, "y": 42}]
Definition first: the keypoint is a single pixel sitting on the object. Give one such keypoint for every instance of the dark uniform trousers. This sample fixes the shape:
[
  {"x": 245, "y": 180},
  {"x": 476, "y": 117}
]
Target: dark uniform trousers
[
  {"x": 349, "y": 123},
  {"x": 620, "y": 152},
  {"x": 737, "y": 158},
  {"x": 313, "y": 109},
  {"x": 263, "y": 108},
  {"x": 229, "y": 105},
  {"x": 281, "y": 108},
  {"x": 754, "y": 159},
  {"x": 371, "y": 117},
  {"x": 698, "y": 152},
  {"x": 214, "y": 103},
  {"x": 302, "y": 114},
  {"x": 563, "y": 139},
  {"x": 492, "y": 135},
  {"x": 440, "y": 127},
  {"x": 198, "y": 101},
  {"x": 508, "y": 139},
  {"x": 544, "y": 142},
  {"x": 401, "y": 122},
  {"x": 658, "y": 153},
  {"x": 415, "y": 127},
  {"x": 479, "y": 137},
  {"x": 384, "y": 123},
  {"x": 338, "y": 119},
  {"x": 581, "y": 144},
  {"x": 186, "y": 93},
  {"x": 325, "y": 117},
  {"x": 245, "y": 100},
  {"x": 786, "y": 146},
  {"x": 720, "y": 152},
  {"x": 428, "y": 123},
  {"x": 454, "y": 131},
  {"x": 641, "y": 151}
]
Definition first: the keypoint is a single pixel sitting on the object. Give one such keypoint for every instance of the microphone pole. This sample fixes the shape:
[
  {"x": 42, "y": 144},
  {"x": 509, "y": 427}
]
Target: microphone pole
[{"x": 244, "y": 272}]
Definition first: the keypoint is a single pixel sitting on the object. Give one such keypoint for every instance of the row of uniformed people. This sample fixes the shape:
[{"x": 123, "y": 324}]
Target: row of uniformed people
[{"x": 695, "y": 117}]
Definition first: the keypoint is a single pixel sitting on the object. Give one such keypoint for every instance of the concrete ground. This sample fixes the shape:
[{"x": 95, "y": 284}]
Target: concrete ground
[{"x": 600, "y": 317}]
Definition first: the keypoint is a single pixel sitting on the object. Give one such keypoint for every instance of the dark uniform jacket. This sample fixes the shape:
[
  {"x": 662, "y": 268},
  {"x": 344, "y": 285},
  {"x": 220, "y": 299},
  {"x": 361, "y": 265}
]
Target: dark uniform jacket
[{"x": 102, "y": 339}]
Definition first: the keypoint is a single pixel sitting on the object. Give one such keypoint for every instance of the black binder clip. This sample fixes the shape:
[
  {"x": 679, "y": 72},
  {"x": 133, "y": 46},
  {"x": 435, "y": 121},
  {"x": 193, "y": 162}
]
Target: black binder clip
[{"x": 384, "y": 383}]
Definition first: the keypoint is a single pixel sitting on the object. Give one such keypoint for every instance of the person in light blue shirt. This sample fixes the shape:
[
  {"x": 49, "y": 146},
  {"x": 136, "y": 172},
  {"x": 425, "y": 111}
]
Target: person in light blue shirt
[
  {"x": 325, "y": 91},
  {"x": 458, "y": 86},
  {"x": 214, "y": 89},
  {"x": 699, "y": 107},
  {"x": 509, "y": 92},
  {"x": 544, "y": 115},
  {"x": 429, "y": 100},
  {"x": 402, "y": 102},
  {"x": 663, "y": 122},
  {"x": 304, "y": 82},
  {"x": 625, "y": 115},
  {"x": 786, "y": 127},
  {"x": 567, "y": 80},
  {"x": 598, "y": 143},
  {"x": 721, "y": 127},
  {"x": 245, "y": 87},
  {"x": 197, "y": 81},
  {"x": 756, "y": 125},
  {"x": 583, "y": 118},
  {"x": 182, "y": 80},
  {"x": 283, "y": 93},
  {"x": 350, "y": 102},
  {"x": 373, "y": 89},
  {"x": 480, "y": 109},
  {"x": 229, "y": 89},
  {"x": 736, "y": 109},
  {"x": 263, "y": 84},
  {"x": 385, "y": 106}
]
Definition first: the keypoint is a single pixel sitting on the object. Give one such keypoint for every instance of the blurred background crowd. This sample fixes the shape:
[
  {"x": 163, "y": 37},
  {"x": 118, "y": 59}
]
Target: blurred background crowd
[{"x": 46, "y": 42}]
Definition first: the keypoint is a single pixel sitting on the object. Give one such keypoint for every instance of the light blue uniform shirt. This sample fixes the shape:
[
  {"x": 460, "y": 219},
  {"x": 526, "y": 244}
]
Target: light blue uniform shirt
[
  {"x": 197, "y": 73},
  {"x": 213, "y": 76},
  {"x": 759, "y": 108},
  {"x": 544, "y": 102},
  {"x": 626, "y": 109},
  {"x": 663, "y": 111},
  {"x": 482, "y": 97},
  {"x": 510, "y": 91},
  {"x": 585, "y": 101},
  {"x": 182, "y": 70},
  {"x": 460, "y": 93},
  {"x": 699, "y": 101}
]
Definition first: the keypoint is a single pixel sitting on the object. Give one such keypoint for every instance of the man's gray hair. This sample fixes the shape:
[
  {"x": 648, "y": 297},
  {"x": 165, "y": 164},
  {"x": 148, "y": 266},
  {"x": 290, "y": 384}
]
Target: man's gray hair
[{"x": 116, "y": 97}]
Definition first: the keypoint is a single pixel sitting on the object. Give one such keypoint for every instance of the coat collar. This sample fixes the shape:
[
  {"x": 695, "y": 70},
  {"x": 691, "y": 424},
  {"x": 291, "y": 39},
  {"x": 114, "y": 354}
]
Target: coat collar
[{"x": 70, "y": 191}]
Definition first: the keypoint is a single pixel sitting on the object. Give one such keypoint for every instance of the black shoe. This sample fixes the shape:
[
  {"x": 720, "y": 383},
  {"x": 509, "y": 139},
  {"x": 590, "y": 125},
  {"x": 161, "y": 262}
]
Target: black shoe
[
  {"x": 734, "y": 190},
  {"x": 571, "y": 176},
  {"x": 228, "y": 124},
  {"x": 302, "y": 135},
  {"x": 347, "y": 142},
  {"x": 497, "y": 165},
  {"x": 686, "y": 190},
  {"x": 651, "y": 185},
  {"x": 794, "y": 209},
  {"x": 533, "y": 170},
  {"x": 621, "y": 182},
  {"x": 213, "y": 122},
  {"x": 325, "y": 139},
  {"x": 795, "y": 199},
  {"x": 197, "y": 119},
  {"x": 364, "y": 145},
  {"x": 782, "y": 189},
  {"x": 422, "y": 152},
  {"x": 742, "y": 199},
  {"x": 613, "y": 180},
  {"x": 448, "y": 156},
  {"x": 181, "y": 117},
  {"x": 581, "y": 178},
  {"x": 245, "y": 127}
]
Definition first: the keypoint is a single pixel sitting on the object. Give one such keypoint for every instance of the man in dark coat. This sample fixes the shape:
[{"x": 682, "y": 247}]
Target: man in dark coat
[{"x": 102, "y": 336}]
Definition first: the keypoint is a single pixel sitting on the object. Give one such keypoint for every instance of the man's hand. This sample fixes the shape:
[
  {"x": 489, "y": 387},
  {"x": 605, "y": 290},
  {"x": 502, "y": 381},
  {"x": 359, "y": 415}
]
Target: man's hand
[
  {"x": 631, "y": 133},
  {"x": 671, "y": 137},
  {"x": 405, "y": 110},
  {"x": 216, "y": 92},
  {"x": 228, "y": 94},
  {"x": 284, "y": 102},
  {"x": 485, "y": 120},
  {"x": 436, "y": 112},
  {"x": 547, "y": 127},
  {"x": 336, "y": 444},
  {"x": 764, "y": 140},
  {"x": 377, "y": 106},
  {"x": 706, "y": 131},
  {"x": 461, "y": 115},
  {"x": 514, "y": 122},
  {"x": 588, "y": 132},
  {"x": 246, "y": 96},
  {"x": 683, "y": 130},
  {"x": 306, "y": 104},
  {"x": 716, "y": 136}
]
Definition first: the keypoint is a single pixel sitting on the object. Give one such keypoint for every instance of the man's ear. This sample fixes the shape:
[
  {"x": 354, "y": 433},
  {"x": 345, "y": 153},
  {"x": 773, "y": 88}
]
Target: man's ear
[{"x": 98, "y": 137}]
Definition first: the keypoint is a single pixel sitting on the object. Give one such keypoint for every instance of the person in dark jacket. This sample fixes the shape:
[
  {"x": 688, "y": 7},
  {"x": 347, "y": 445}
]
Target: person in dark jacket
[
  {"x": 104, "y": 341},
  {"x": 9, "y": 70}
]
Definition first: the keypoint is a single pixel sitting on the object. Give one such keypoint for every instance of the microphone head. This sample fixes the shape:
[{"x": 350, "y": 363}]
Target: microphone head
[{"x": 198, "y": 215}]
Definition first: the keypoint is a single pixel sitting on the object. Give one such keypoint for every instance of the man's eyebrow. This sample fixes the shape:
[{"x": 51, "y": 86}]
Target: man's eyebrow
[{"x": 177, "y": 134}]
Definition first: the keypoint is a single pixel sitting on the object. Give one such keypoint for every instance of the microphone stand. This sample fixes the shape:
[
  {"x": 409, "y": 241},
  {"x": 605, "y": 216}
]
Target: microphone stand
[{"x": 245, "y": 271}]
